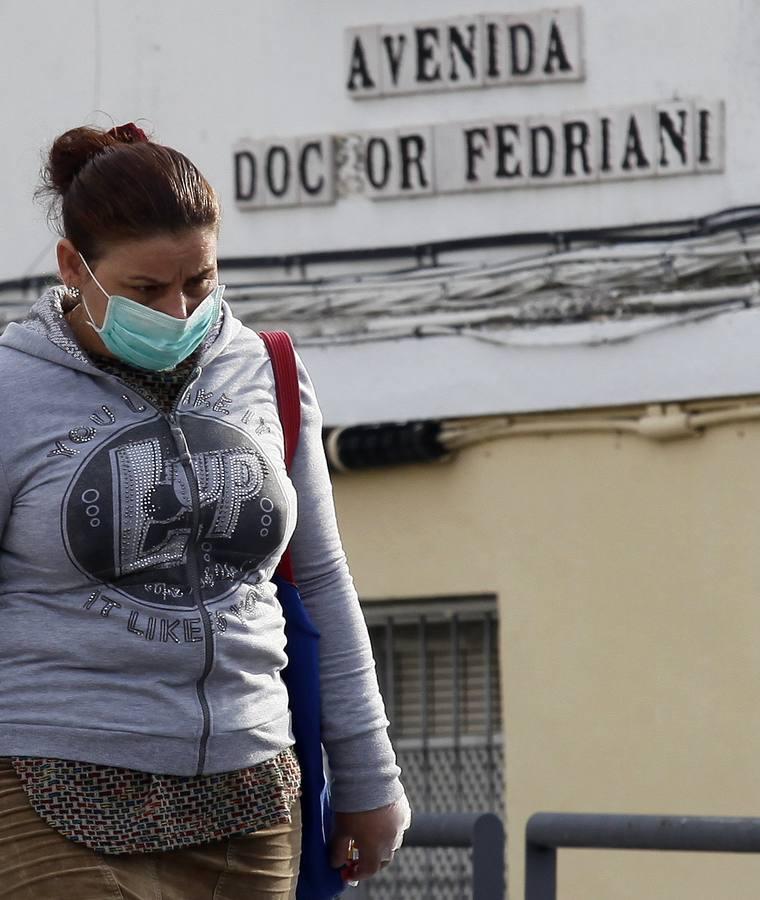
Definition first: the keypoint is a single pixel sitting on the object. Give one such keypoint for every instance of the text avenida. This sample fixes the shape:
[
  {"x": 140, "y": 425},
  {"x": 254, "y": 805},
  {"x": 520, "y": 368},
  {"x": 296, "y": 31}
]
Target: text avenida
[{"x": 464, "y": 52}]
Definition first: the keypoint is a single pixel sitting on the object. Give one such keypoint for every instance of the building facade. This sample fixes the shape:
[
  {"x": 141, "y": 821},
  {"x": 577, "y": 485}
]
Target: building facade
[{"x": 518, "y": 248}]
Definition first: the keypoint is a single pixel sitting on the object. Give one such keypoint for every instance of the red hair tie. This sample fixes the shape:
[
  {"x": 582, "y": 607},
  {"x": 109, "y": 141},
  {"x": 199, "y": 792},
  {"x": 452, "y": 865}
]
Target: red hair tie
[{"x": 128, "y": 133}]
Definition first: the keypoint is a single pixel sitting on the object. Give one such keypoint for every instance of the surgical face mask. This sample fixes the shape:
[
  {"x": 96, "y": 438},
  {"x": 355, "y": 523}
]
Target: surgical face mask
[{"x": 149, "y": 339}]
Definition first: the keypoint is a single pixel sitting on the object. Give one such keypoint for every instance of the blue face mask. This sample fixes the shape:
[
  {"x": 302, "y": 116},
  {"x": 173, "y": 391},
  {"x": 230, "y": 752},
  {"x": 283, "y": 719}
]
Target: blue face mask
[{"x": 149, "y": 339}]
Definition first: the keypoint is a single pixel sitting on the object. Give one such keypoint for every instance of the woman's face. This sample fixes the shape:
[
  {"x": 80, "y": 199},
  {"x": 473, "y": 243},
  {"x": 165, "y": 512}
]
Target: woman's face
[{"x": 171, "y": 273}]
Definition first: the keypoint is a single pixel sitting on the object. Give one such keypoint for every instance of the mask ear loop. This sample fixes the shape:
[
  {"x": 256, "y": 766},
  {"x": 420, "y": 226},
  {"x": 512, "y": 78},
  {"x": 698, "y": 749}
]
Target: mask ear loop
[{"x": 91, "y": 322}]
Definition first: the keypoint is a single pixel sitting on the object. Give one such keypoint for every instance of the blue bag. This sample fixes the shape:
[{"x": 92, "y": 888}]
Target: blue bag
[{"x": 317, "y": 879}]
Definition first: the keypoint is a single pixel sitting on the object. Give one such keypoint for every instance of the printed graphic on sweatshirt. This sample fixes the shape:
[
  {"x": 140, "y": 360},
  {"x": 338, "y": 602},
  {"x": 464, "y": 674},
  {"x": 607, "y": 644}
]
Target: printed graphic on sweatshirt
[{"x": 140, "y": 518}]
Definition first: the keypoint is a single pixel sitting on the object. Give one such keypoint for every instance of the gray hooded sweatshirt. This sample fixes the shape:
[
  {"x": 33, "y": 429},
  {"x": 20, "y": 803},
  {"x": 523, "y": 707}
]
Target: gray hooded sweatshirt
[{"x": 138, "y": 624}]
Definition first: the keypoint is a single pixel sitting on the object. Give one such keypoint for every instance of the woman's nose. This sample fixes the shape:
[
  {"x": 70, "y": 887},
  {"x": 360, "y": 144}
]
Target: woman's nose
[{"x": 173, "y": 304}]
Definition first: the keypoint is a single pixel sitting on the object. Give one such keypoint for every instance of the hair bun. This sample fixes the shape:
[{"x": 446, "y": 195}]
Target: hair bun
[
  {"x": 70, "y": 153},
  {"x": 75, "y": 148}
]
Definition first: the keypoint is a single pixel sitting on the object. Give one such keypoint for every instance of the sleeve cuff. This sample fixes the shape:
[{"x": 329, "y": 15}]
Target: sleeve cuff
[{"x": 364, "y": 773}]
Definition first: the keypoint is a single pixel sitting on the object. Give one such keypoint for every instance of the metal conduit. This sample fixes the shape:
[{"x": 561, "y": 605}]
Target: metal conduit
[{"x": 546, "y": 832}]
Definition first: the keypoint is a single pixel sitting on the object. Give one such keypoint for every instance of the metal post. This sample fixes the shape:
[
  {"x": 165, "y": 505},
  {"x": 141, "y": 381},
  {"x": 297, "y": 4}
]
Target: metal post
[
  {"x": 484, "y": 832},
  {"x": 488, "y": 858},
  {"x": 540, "y": 872}
]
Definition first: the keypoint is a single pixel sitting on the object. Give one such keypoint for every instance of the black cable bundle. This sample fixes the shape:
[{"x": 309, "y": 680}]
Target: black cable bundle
[{"x": 376, "y": 446}]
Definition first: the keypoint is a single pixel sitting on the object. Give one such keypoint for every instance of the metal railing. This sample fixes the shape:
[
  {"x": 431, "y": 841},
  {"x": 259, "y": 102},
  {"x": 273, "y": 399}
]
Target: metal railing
[
  {"x": 546, "y": 832},
  {"x": 483, "y": 832}
]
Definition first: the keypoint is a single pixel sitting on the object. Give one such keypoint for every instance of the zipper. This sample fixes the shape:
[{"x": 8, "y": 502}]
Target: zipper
[
  {"x": 195, "y": 581},
  {"x": 193, "y": 564}
]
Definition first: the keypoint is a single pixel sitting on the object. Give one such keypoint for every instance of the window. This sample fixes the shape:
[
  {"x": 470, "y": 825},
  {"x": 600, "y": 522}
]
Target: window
[{"x": 438, "y": 669}]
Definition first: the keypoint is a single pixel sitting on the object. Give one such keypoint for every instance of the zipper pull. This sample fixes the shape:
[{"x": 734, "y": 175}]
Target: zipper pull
[
  {"x": 177, "y": 433},
  {"x": 180, "y": 440},
  {"x": 194, "y": 375}
]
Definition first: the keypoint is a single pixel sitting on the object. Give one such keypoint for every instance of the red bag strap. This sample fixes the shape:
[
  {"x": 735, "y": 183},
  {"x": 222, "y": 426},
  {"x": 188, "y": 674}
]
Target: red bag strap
[
  {"x": 283, "y": 357},
  {"x": 288, "y": 392}
]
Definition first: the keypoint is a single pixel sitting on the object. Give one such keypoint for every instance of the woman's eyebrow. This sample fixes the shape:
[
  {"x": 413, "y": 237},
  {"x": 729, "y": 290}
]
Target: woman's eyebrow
[
  {"x": 157, "y": 281},
  {"x": 145, "y": 278}
]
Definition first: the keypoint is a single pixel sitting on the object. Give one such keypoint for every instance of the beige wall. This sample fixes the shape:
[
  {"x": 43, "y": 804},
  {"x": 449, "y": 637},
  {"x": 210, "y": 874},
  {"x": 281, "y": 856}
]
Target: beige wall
[{"x": 628, "y": 577}]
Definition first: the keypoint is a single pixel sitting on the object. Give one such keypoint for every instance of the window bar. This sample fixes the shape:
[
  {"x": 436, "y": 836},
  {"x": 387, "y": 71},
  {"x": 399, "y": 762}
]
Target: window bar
[
  {"x": 425, "y": 720},
  {"x": 422, "y": 625},
  {"x": 487, "y": 638},
  {"x": 390, "y": 677},
  {"x": 455, "y": 674},
  {"x": 456, "y": 729}
]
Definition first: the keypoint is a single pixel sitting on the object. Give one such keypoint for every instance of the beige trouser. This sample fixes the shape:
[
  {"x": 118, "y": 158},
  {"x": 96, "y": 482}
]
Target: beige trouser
[{"x": 37, "y": 863}]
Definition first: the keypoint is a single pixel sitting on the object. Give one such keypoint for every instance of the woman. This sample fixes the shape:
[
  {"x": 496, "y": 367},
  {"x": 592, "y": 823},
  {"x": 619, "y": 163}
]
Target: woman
[{"x": 145, "y": 740}]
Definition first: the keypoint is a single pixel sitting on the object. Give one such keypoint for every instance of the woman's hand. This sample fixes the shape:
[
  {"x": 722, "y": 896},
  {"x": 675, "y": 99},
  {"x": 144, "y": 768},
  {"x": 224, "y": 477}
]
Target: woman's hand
[{"x": 376, "y": 833}]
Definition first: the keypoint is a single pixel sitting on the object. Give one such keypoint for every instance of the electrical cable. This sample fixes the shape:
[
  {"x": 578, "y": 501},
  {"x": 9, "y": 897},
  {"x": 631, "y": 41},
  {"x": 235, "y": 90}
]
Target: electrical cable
[{"x": 403, "y": 443}]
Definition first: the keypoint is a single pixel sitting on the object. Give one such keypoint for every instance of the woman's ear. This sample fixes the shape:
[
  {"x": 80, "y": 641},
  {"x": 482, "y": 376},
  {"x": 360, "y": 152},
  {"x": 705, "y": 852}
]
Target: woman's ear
[{"x": 70, "y": 264}]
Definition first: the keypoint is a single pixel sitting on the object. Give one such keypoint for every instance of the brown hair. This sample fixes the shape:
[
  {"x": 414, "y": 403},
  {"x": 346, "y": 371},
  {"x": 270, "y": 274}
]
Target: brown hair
[{"x": 106, "y": 187}]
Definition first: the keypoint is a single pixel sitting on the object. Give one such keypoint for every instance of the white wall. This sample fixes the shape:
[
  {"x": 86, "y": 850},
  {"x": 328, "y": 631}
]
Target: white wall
[
  {"x": 445, "y": 377},
  {"x": 203, "y": 77}
]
